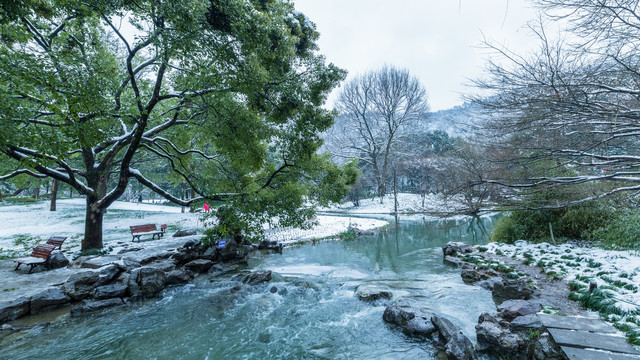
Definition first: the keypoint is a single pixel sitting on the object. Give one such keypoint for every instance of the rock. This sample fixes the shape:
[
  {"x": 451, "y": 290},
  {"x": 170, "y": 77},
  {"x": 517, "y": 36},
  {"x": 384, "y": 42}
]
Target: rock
[
  {"x": 545, "y": 349},
  {"x": 219, "y": 270},
  {"x": 456, "y": 248},
  {"x": 87, "y": 306},
  {"x": 494, "y": 339},
  {"x": 473, "y": 275},
  {"x": 57, "y": 260},
  {"x": 146, "y": 282},
  {"x": 79, "y": 285},
  {"x": 525, "y": 323},
  {"x": 14, "y": 309},
  {"x": 183, "y": 233},
  {"x": 452, "y": 260},
  {"x": 273, "y": 290},
  {"x": 96, "y": 262},
  {"x": 258, "y": 277},
  {"x": 360, "y": 232},
  {"x": 270, "y": 245},
  {"x": 110, "y": 291},
  {"x": 372, "y": 293},
  {"x": 210, "y": 254},
  {"x": 107, "y": 274},
  {"x": 48, "y": 300},
  {"x": 164, "y": 265},
  {"x": 179, "y": 277},
  {"x": 414, "y": 321},
  {"x": 490, "y": 283},
  {"x": 511, "y": 309},
  {"x": 231, "y": 251},
  {"x": 457, "y": 346},
  {"x": 199, "y": 265},
  {"x": 510, "y": 289}
]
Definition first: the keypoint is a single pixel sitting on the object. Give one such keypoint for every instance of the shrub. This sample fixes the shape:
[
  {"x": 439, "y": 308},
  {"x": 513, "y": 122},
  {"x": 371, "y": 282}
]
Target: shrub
[
  {"x": 622, "y": 232},
  {"x": 577, "y": 222}
]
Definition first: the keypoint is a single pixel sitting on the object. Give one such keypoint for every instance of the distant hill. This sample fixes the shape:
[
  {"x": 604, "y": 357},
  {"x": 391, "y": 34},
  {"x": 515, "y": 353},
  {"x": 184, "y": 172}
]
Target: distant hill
[{"x": 460, "y": 121}]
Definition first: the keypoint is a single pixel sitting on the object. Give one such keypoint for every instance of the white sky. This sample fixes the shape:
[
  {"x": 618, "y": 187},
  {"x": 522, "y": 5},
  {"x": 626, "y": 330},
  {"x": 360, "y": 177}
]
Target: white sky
[{"x": 437, "y": 40}]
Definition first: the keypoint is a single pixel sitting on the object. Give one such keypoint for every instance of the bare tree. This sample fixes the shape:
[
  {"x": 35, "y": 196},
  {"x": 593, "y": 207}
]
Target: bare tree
[
  {"x": 570, "y": 112},
  {"x": 374, "y": 110}
]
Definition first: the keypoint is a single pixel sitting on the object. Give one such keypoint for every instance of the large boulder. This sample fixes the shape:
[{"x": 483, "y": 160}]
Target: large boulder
[
  {"x": 80, "y": 285},
  {"x": 511, "y": 309},
  {"x": 199, "y": 265},
  {"x": 456, "y": 248},
  {"x": 87, "y": 306},
  {"x": 457, "y": 346},
  {"x": 146, "y": 282},
  {"x": 14, "y": 309},
  {"x": 107, "y": 273},
  {"x": 57, "y": 260},
  {"x": 110, "y": 291},
  {"x": 526, "y": 323},
  {"x": 179, "y": 277},
  {"x": 510, "y": 289},
  {"x": 494, "y": 339},
  {"x": 48, "y": 300},
  {"x": 372, "y": 293},
  {"x": 413, "y": 321},
  {"x": 258, "y": 277}
]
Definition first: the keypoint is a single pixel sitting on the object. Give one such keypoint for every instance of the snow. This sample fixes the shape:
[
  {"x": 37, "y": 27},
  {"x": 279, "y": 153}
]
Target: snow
[
  {"x": 407, "y": 204},
  {"x": 570, "y": 261},
  {"x": 327, "y": 226},
  {"x": 36, "y": 220}
]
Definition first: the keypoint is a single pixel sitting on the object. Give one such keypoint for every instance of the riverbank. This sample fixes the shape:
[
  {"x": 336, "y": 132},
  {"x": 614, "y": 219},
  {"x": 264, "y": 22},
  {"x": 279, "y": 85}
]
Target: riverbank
[{"x": 535, "y": 316}]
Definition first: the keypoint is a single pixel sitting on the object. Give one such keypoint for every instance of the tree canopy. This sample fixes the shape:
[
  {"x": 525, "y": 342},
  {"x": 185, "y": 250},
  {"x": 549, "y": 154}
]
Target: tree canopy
[{"x": 224, "y": 95}]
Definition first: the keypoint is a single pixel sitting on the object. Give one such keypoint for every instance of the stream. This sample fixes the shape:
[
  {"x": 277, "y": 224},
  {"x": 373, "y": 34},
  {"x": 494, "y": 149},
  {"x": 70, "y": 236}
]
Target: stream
[{"x": 308, "y": 311}]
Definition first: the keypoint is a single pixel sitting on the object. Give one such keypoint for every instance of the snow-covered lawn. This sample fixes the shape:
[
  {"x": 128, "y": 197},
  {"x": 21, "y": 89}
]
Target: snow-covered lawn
[
  {"x": 407, "y": 203},
  {"x": 617, "y": 274},
  {"x": 35, "y": 220}
]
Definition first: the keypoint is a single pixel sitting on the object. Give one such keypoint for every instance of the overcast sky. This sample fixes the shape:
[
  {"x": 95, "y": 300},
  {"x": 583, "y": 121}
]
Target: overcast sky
[{"x": 437, "y": 40}]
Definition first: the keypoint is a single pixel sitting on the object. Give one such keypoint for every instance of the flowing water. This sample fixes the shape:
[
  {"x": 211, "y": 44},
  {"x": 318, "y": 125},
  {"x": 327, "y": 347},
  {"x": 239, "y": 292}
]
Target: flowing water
[{"x": 308, "y": 311}]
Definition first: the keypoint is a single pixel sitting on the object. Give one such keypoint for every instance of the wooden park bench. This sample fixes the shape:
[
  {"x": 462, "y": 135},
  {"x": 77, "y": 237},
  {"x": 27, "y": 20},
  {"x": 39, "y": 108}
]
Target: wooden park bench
[
  {"x": 149, "y": 229},
  {"x": 39, "y": 256},
  {"x": 56, "y": 241}
]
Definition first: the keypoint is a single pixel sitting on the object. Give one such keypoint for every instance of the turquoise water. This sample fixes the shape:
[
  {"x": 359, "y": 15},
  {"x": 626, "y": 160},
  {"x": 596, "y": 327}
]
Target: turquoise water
[{"x": 308, "y": 311}]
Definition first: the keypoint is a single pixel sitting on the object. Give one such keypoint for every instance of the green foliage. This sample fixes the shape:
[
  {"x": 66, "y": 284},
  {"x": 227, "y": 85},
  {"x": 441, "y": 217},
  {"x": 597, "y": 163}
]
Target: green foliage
[
  {"x": 621, "y": 232},
  {"x": 347, "y": 235},
  {"x": 577, "y": 222},
  {"x": 28, "y": 242},
  {"x": 19, "y": 200},
  {"x": 237, "y": 114}
]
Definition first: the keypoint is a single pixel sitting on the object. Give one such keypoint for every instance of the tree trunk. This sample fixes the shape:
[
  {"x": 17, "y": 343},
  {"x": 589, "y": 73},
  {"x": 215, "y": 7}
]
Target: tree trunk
[
  {"x": 92, "y": 226},
  {"x": 36, "y": 192},
  {"x": 17, "y": 192},
  {"x": 395, "y": 192},
  {"x": 71, "y": 193},
  {"x": 193, "y": 194},
  {"x": 54, "y": 194},
  {"x": 103, "y": 188}
]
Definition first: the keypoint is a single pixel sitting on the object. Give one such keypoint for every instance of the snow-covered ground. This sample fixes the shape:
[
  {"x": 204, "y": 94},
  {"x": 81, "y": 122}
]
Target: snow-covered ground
[
  {"x": 35, "y": 220},
  {"x": 407, "y": 204},
  {"x": 617, "y": 273},
  {"x": 326, "y": 226}
]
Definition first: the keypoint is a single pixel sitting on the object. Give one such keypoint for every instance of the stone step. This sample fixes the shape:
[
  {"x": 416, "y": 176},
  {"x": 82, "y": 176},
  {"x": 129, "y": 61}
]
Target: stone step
[
  {"x": 585, "y": 354},
  {"x": 584, "y": 339},
  {"x": 574, "y": 323}
]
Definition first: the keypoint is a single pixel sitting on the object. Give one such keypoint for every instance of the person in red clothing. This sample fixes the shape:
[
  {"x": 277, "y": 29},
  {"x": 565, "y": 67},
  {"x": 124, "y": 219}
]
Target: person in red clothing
[{"x": 206, "y": 207}]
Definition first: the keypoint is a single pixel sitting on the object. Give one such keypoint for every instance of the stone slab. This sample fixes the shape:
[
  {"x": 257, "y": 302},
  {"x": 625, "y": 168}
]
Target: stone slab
[
  {"x": 574, "y": 323},
  {"x": 584, "y": 339},
  {"x": 584, "y": 354}
]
